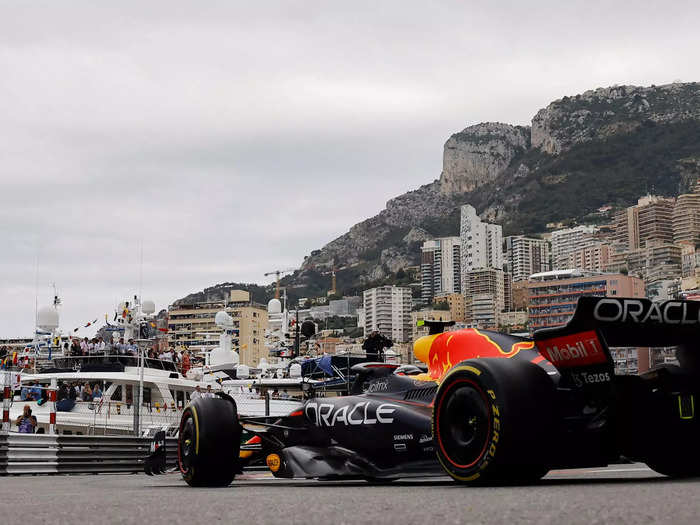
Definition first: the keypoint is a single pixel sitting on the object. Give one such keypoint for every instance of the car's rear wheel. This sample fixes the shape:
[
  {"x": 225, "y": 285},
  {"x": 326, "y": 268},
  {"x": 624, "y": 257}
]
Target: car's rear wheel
[
  {"x": 490, "y": 418},
  {"x": 209, "y": 443}
]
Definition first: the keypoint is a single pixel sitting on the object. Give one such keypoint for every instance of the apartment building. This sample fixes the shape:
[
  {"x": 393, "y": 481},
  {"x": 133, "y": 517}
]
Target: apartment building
[
  {"x": 568, "y": 240},
  {"x": 457, "y": 305},
  {"x": 553, "y": 295},
  {"x": 482, "y": 243},
  {"x": 525, "y": 256},
  {"x": 651, "y": 219},
  {"x": 485, "y": 297},
  {"x": 388, "y": 311},
  {"x": 440, "y": 268},
  {"x": 192, "y": 325},
  {"x": 656, "y": 261},
  {"x": 686, "y": 218},
  {"x": 593, "y": 257}
]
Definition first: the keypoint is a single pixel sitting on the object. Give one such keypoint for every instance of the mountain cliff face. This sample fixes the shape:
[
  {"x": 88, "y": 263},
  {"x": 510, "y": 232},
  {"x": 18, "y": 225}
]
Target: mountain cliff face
[
  {"x": 604, "y": 112},
  {"x": 479, "y": 154},
  {"x": 605, "y": 146}
]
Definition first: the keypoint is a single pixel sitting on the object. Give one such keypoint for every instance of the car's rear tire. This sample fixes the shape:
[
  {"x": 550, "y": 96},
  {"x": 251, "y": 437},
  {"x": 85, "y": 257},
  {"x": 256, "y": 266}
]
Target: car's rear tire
[
  {"x": 490, "y": 421},
  {"x": 209, "y": 442}
]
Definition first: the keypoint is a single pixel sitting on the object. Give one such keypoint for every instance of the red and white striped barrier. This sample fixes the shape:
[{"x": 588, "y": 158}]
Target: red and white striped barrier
[
  {"x": 6, "y": 397},
  {"x": 52, "y": 406}
]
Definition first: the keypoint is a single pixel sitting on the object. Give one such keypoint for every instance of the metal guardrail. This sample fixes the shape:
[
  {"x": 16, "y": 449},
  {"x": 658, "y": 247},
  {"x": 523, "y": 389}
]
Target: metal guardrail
[{"x": 46, "y": 454}]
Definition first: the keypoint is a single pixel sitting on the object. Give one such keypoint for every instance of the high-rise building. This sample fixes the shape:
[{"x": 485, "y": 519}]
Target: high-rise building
[
  {"x": 651, "y": 219},
  {"x": 686, "y": 218},
  {"x": 525, "y": 256},
  {"x": 594, "y": 257},
  {"x": 552, "y": 296},
  {"x": 440, "y": 268},
  {"x": 457, "y": 305},
  {"x": 484, "y": 292},
  {"x": 187, "y": 322},
  {"x": 566, "y": 241},
  {"x": 388, "y": 311},
  {"x": 656, "y": 261},
  {"x": 482, "y": 243}
]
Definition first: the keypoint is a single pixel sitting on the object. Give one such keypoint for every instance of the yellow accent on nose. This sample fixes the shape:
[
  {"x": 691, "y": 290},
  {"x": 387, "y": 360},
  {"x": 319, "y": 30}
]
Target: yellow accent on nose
[{"x": 421, "y": 348}]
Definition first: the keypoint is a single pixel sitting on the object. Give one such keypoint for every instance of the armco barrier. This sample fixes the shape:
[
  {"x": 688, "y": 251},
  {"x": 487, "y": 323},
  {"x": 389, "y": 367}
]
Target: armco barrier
[{"x": 46, "y": 454}]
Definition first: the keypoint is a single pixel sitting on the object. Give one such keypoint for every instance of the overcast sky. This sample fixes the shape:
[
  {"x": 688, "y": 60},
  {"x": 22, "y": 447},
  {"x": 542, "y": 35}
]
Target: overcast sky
[{"x": 234, "y": 139}]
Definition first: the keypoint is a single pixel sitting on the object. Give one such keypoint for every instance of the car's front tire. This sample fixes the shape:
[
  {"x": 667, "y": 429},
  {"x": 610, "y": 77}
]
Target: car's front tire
[
  {"x": 209, "y": 442},
  {"x": 490, "y": 421}
]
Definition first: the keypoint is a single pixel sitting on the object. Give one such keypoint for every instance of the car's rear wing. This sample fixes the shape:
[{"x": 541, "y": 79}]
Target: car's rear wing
[{"x": 632, "y": 322}]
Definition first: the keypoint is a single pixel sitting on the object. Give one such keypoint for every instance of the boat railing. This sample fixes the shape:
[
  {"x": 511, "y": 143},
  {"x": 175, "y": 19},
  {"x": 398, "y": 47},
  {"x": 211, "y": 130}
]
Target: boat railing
[{"x": 102, "y": 362}]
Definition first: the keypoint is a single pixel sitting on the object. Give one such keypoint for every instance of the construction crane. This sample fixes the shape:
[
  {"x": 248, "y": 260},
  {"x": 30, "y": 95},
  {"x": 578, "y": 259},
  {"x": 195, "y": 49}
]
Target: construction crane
[{"x": 278, "y": 273}]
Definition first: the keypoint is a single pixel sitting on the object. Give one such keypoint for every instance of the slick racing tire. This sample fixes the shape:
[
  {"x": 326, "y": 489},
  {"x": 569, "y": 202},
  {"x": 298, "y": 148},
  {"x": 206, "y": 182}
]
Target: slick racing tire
[
  {"x": 491, "y": 418},
  {"x": 209, "y": 442}
]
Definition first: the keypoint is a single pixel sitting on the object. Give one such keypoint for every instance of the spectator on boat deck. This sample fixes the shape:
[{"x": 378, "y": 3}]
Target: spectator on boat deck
[
  {"x": 121, "y": 346},
  {"x": 75, "y": 347},
  {"x": 66, "y": 348},
  {"x": 84, "y": 347},
  {"x": 209, "y": 393},
  {"x": 96, "y": 391},
  {"x": 62, "y": 391},
  {"x": 100, "y": 346},
  {"x": 36, "y": 391},
  {"x": 26, "y": 423},
  {"x": 132, "y": 348},
  {"x": 26, "y": 394},
  {"x": 87, "y": 393},
  {"x": 197, "y": 394},
  {"x": 185, "y": 363},
  {"x": 166, "y": 355},
  {"x": 74, "y": 392}
]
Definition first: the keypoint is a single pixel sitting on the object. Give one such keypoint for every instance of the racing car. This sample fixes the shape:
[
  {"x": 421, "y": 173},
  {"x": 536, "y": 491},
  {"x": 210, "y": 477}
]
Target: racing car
[{"x": 491, "y": 408}]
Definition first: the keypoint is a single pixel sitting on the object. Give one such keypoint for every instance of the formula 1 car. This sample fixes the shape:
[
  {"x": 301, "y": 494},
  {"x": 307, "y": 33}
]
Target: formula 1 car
[{"x": 492, "y": 408}]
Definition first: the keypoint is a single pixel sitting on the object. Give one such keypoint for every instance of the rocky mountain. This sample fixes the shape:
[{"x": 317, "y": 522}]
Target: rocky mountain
[{"x": 606, "y": 146}]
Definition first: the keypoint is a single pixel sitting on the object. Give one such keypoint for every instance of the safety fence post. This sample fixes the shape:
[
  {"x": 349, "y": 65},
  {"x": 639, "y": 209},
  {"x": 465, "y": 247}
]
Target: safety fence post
[
  {"x": 6, "y": 398},
  {"x": 267, "y": 402},
  {"x": 52, "y": 406}
]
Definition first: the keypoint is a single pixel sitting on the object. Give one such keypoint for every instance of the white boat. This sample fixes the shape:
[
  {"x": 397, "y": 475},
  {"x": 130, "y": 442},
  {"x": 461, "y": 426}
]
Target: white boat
[{"x": 125, "y": 378}]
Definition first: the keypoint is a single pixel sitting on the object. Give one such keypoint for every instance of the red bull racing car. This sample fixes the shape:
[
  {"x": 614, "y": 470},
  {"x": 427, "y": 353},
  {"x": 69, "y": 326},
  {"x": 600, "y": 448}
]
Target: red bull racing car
[{"x": 492, "y": 408}]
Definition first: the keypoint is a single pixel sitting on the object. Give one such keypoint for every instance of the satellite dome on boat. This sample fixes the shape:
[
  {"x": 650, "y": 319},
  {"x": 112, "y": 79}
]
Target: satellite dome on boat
[
  {"x": 47, "y": 318},
  {"x": 274, "y": 306},
  {"x": 148, "y": 307},
  {"x": 295, "y": 370},
  {"x": 223, "y": 319},
  {"x": 242, "y": 371}
]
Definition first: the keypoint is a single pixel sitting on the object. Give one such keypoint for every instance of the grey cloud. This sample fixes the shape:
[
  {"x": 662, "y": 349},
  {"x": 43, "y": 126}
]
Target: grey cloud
[{"x": 234, "y": 138}]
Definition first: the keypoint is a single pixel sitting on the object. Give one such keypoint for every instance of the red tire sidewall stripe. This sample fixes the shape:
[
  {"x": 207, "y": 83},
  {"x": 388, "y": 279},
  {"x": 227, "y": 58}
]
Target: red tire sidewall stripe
[{"x": 490, "y": 417}]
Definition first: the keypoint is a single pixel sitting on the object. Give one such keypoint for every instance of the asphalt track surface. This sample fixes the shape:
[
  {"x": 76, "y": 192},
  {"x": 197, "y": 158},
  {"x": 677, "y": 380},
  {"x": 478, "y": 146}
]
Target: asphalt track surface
[{"x": 617, "y": 494}]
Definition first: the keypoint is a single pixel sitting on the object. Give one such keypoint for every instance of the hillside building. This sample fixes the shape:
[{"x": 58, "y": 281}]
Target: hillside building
[
  {"x": 566, "y": 241},
  {"x": 594, "y": 257},
  {"x": 553, "y": 295},
  {"x": 457, "y": 305},
  {"x": 651, "y": 219},
  {"x": 525, "y": 256},
  {"x": 485, "y": 297},
  {"x": 481, "y": 243},
  {"x": 388, "y": 311},
  {"x": 440, "y": 268},
  {"x": 192, "y": 325},
  {"x": 686, "y": 218}
]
